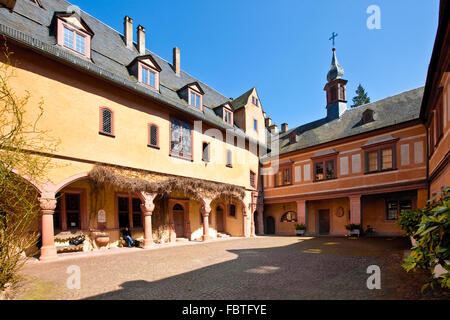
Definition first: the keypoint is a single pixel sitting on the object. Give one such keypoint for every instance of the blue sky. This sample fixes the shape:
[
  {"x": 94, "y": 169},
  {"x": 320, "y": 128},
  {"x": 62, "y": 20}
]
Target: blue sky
[{"x": 282, "y": 48}]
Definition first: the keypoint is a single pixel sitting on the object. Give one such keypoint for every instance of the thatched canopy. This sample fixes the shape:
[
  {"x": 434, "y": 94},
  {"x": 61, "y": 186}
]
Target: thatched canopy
[{"x": 141, "y": 180}]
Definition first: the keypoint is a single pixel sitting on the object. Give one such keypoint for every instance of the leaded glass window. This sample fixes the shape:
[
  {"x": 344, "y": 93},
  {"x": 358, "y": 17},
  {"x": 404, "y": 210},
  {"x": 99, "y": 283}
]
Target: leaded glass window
[{"x": 106, "y": 121}]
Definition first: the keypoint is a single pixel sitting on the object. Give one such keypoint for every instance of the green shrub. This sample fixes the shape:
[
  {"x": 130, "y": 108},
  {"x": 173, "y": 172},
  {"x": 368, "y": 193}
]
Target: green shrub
[
  {"x": 433, "y": 240},
  {"x": 300, "y": 226},
  {"x": 409, "y": 220},
  {"x": 353, "y": 226}
]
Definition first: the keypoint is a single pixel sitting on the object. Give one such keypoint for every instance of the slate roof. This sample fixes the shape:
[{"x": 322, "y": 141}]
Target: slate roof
[
  {"x": 400, "y": 108},
  {"x": 30, "y": 25},
  {"x": 241, "y": 101}
]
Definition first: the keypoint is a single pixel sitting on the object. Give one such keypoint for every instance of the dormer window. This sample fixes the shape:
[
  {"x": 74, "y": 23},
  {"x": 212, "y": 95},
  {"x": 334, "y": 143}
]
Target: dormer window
[
  {"x": 367, "y": 116},
  {"x": 149, "y": 76},
  {"x": 292, "y": 137},
  {"x": 146, "y": 70},
  {"x": 192, "y": 93},
  {"x": 74, "y": 40},
  {"x": 73, "y": 33},
  {"x": 228, "y": 116},
  {"x": 195, "y": 99}
]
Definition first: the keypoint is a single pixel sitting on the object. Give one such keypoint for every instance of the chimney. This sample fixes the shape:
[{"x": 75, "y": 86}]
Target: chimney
[
  {"x": 141, "y": 39},
  {"x": 128, "y": 31},
  {"x": 176, "y": 60},
  {"x": 273, "y": 128},
  {"x": 284, "y": 127},
  {"x": 268, "y": 122}
]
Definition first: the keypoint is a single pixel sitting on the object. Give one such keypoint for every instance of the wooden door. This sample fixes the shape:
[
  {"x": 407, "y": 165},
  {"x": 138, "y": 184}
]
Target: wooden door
[
  {"x": 178, "y": 219},
  {"x": 324, "y": 221},
  {"x": 219, "y": 219},
  {"x": 270, "y": 225}
]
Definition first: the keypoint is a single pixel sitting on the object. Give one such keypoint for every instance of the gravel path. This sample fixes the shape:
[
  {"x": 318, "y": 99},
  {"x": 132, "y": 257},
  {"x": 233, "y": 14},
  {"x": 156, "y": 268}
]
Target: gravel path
[{"x": 255, "y": 268}]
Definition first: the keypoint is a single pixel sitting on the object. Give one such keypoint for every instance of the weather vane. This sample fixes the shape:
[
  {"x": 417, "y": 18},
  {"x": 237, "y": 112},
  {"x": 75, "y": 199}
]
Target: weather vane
[{"x": 333, "y": 36}]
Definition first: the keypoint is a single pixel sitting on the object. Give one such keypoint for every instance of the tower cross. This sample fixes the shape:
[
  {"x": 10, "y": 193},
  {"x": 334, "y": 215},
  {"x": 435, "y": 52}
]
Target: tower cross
[{"x": 333, "y": 36}]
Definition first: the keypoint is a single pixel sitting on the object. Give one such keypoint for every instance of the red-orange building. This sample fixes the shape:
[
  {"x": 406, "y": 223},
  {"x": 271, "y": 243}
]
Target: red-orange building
[{"x": 435, "y": 111}]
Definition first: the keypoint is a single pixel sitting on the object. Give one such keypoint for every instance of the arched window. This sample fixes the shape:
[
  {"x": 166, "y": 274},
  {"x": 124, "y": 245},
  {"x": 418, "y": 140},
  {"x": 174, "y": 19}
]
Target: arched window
[
  {"x": 367, "y": 116},
  {"x": 290, "y": 216},
  {"x": 153, "y": 139},
  {"x": 106, "y": 121}
]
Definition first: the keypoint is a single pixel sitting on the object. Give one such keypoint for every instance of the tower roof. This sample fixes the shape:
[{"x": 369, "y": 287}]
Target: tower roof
[{"x": 336, "y": 71}]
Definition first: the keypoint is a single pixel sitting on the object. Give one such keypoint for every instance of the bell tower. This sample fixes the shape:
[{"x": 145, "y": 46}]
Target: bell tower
[{"x": 335, "y": 89}]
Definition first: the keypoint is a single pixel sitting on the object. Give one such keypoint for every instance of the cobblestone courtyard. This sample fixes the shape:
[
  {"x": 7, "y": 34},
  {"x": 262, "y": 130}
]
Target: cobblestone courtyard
[{"x": 256, "y": 268}]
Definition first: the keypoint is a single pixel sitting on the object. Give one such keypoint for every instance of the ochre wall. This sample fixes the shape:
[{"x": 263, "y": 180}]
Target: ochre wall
[
  {"x": 337, "y": 224},
  {"x": 71, "y": 113}
]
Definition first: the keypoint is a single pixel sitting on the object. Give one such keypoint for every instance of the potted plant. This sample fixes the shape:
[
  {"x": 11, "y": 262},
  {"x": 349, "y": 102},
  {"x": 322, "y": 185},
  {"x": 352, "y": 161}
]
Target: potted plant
[
  {"x": 354, "y": 229},
  {"x": 300, "y": 229},
  {"x": 101, "y": 238},
  {"x": 409, "y": 221}
]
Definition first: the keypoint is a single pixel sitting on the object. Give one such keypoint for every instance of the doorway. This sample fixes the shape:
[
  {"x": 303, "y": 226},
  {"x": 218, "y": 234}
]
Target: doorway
[
  {"x": 270, "y": 225},
  {"x": 324, "y": 221},
  {"x": 255, "y": 222},
  {"x": 178, "y": 219},
  {"x": 219, "y": 219}
]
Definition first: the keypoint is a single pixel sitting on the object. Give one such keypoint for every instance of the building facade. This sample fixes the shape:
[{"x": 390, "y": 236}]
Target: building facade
[
  {"x": 145, "y": 145},
  {"x": 142, "y": 145},
  {"x": 435, "y": 111}
]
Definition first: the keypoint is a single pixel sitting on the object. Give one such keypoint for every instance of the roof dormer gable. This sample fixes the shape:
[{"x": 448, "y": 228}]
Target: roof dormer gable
[
  {"x": 74, "y": 20},
  {"x": 146, "y": 70},
  {"x": 225, "y": 111},
  {"x": 192, "y": 93},
  {"x": 72, "y": 33}
]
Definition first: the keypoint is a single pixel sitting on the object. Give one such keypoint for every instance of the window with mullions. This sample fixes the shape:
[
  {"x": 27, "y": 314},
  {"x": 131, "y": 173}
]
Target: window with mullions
[
  {"x": 394, "y": 207},
  {"x": 325, "y": 170},
  {"x": 74, "y": 40},
  {"x": 227, "y": 117},
  {"x": 129, "y": 210},
  {"x": 194, "y": 99},
  {"x": 149, "y": 77},
  {"x": 380, "y": 160},
  {"x": 180, "y": 139},
  {"x": 283, "y": 177}
]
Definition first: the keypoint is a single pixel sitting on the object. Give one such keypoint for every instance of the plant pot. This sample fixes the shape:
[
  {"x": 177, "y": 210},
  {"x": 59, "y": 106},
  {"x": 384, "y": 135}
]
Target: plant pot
[
  {"x": 300, "y": 232},
  {"x": 102, "y": 241},
  {"x": 354, "y": 232}
]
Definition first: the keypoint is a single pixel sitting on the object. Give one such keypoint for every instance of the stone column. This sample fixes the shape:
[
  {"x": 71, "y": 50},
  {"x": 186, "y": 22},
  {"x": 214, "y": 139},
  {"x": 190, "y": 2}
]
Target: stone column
[
  {"x": 245, "y": 217},
  {"x": 355, "y": 209},
  {"x": 147, "y": 207},
  {"x": 206, "y": 212},
  {"x": 261, "y": 219},
  {"x": 301, "y": 211},
  {"x": 48, "y": 249}
]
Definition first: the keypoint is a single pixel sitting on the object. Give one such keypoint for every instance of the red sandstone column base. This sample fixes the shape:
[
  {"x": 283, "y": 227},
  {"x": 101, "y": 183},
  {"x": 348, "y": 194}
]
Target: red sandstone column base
[{"x": 48, "y": 253}]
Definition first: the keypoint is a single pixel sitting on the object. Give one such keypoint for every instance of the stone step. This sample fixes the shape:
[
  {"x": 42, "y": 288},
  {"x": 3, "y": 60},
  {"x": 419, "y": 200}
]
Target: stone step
[
  {"x": 182, "y": 240},
  {"x": 222, "y": 235}
]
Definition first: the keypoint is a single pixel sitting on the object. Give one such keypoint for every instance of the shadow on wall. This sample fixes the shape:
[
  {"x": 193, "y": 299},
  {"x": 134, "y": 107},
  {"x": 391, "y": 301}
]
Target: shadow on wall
[{"x": 304, "y": 270}]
